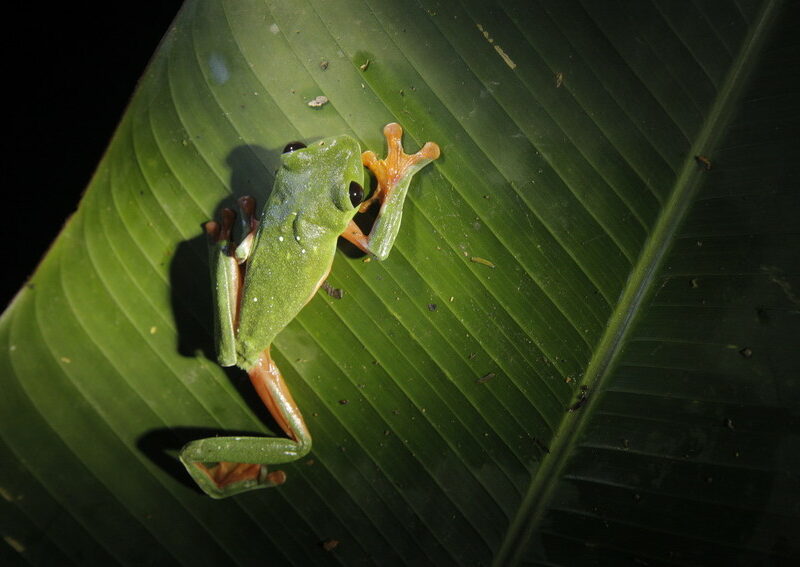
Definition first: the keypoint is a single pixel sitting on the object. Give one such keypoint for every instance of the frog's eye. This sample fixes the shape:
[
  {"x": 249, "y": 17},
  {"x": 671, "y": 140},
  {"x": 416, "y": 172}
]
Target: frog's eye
[
  {"x": 292, "y": 146},
  {"x": 356, "y": 193}
]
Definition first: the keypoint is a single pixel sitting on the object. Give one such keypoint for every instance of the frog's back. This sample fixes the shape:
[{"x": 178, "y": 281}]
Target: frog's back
[
  {"x": 282, "y": 276},
  {"x": 296, "y": 241}
]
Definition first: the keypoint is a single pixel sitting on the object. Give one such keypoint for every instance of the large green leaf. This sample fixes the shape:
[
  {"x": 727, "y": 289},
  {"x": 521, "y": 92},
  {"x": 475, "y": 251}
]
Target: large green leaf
[{"x": 445, "y": 394}]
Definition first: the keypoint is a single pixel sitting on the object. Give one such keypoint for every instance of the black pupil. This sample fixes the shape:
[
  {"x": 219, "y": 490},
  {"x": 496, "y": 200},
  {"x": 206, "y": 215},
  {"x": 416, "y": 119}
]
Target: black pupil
[
  {"x": 356, "y": 193},
  {"x": 292, "y": 146}
]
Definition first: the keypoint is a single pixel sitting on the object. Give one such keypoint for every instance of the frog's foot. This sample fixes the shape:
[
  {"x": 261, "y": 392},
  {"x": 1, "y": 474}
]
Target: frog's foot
[
  {"x": 218, "y": 464},
  {"x": 220, "y": 232},
  {"x": 398, "y": 165},
  {"x": 226, "y": 478},
  {"x": 393, "y": 175}
]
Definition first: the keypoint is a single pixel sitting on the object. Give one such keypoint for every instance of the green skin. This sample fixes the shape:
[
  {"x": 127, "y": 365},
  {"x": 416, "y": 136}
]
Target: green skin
[
  {"x": 290, "y": 256},
  {"x": 307, "y": 211}
]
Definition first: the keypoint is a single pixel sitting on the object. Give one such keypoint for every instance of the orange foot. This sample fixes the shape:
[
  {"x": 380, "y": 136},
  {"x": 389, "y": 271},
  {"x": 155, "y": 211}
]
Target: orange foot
[
  {"x": 393, "y": 175},
  {"x": 225, "y": 473},
  {"x": 397, "y": 166}
]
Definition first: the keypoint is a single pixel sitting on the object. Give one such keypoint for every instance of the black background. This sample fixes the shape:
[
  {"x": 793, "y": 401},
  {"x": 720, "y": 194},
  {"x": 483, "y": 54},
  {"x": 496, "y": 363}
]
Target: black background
[{"x": 70, "y": 71}]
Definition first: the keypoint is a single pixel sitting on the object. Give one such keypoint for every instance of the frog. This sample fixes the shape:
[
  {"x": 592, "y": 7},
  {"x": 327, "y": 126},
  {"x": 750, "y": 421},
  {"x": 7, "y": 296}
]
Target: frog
[{"x": 262, "y": 282}]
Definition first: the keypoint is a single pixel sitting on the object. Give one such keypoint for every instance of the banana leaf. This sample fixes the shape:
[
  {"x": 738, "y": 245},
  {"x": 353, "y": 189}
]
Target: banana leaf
[{"x": 582, "y": 350}]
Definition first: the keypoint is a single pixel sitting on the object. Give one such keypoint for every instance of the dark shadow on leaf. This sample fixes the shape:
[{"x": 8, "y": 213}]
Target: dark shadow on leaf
[
  {"x": 190, "y": 290},
  {"x": 190, "y": 277}
]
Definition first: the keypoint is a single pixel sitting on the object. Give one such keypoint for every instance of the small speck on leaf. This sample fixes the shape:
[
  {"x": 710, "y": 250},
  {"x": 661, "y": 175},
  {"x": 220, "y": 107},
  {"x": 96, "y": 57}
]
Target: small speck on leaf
[
  {"x": 364, "y": 66},
  {"x": 583, "y": 395},
  {"x": 485, "y": 378},
  {"x": 330, "y": 544},
  {"x": 318, "y": 102},
  {"x": 431, "y": 307},
  {"x": 704, "y": 162},
  {"x": 343, "y": 402},
  {"x": 334, "y": 292},
  {"x": 14, "y": 543},
  {"x": 479, "y": 260},
  {"x": 746, "y": 352}
]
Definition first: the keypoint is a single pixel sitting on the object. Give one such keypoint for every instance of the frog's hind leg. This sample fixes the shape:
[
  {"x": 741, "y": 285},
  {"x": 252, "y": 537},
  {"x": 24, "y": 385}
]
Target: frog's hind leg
[
  {"x": 271, "y": 388},
  {"x": 224, "y": 466}
]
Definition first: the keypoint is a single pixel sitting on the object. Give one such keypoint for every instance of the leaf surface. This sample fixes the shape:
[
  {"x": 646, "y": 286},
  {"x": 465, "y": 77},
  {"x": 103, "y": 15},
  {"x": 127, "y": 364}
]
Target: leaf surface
[{"x": 582, "y": 349}]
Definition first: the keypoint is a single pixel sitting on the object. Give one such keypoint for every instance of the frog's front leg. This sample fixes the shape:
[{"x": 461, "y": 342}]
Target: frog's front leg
[
  {"x": 224, "y": 466},
  {"x": 393, "y": 175}
]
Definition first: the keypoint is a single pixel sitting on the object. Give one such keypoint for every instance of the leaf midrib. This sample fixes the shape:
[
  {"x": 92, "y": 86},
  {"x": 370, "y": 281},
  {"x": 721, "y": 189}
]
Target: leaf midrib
[{"x": 639, "y": 287}]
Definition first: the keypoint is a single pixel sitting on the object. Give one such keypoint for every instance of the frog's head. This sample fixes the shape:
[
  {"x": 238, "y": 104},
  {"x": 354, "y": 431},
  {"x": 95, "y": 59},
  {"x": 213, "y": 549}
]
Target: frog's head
[{"x": 328, "y": 177}]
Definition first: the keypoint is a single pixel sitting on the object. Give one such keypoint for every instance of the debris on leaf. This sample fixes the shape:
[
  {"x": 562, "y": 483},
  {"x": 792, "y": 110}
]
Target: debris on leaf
[
  {"x": 486, "y": 378},
  {"x": 364, "y": 65},
  {"x": 583, "y": 395},
  {"x": 479, "y": 260},
  {"x": 330, "y": 544},
  {"x": 704, "y": 162},
  {"x": 334, "y": 292},
  {"x": 319, "y": 101}
]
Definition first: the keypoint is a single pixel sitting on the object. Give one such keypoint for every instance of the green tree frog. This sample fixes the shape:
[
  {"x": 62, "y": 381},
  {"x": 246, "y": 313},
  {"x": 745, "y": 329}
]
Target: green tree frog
[{"x": 280, "y": 263}]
